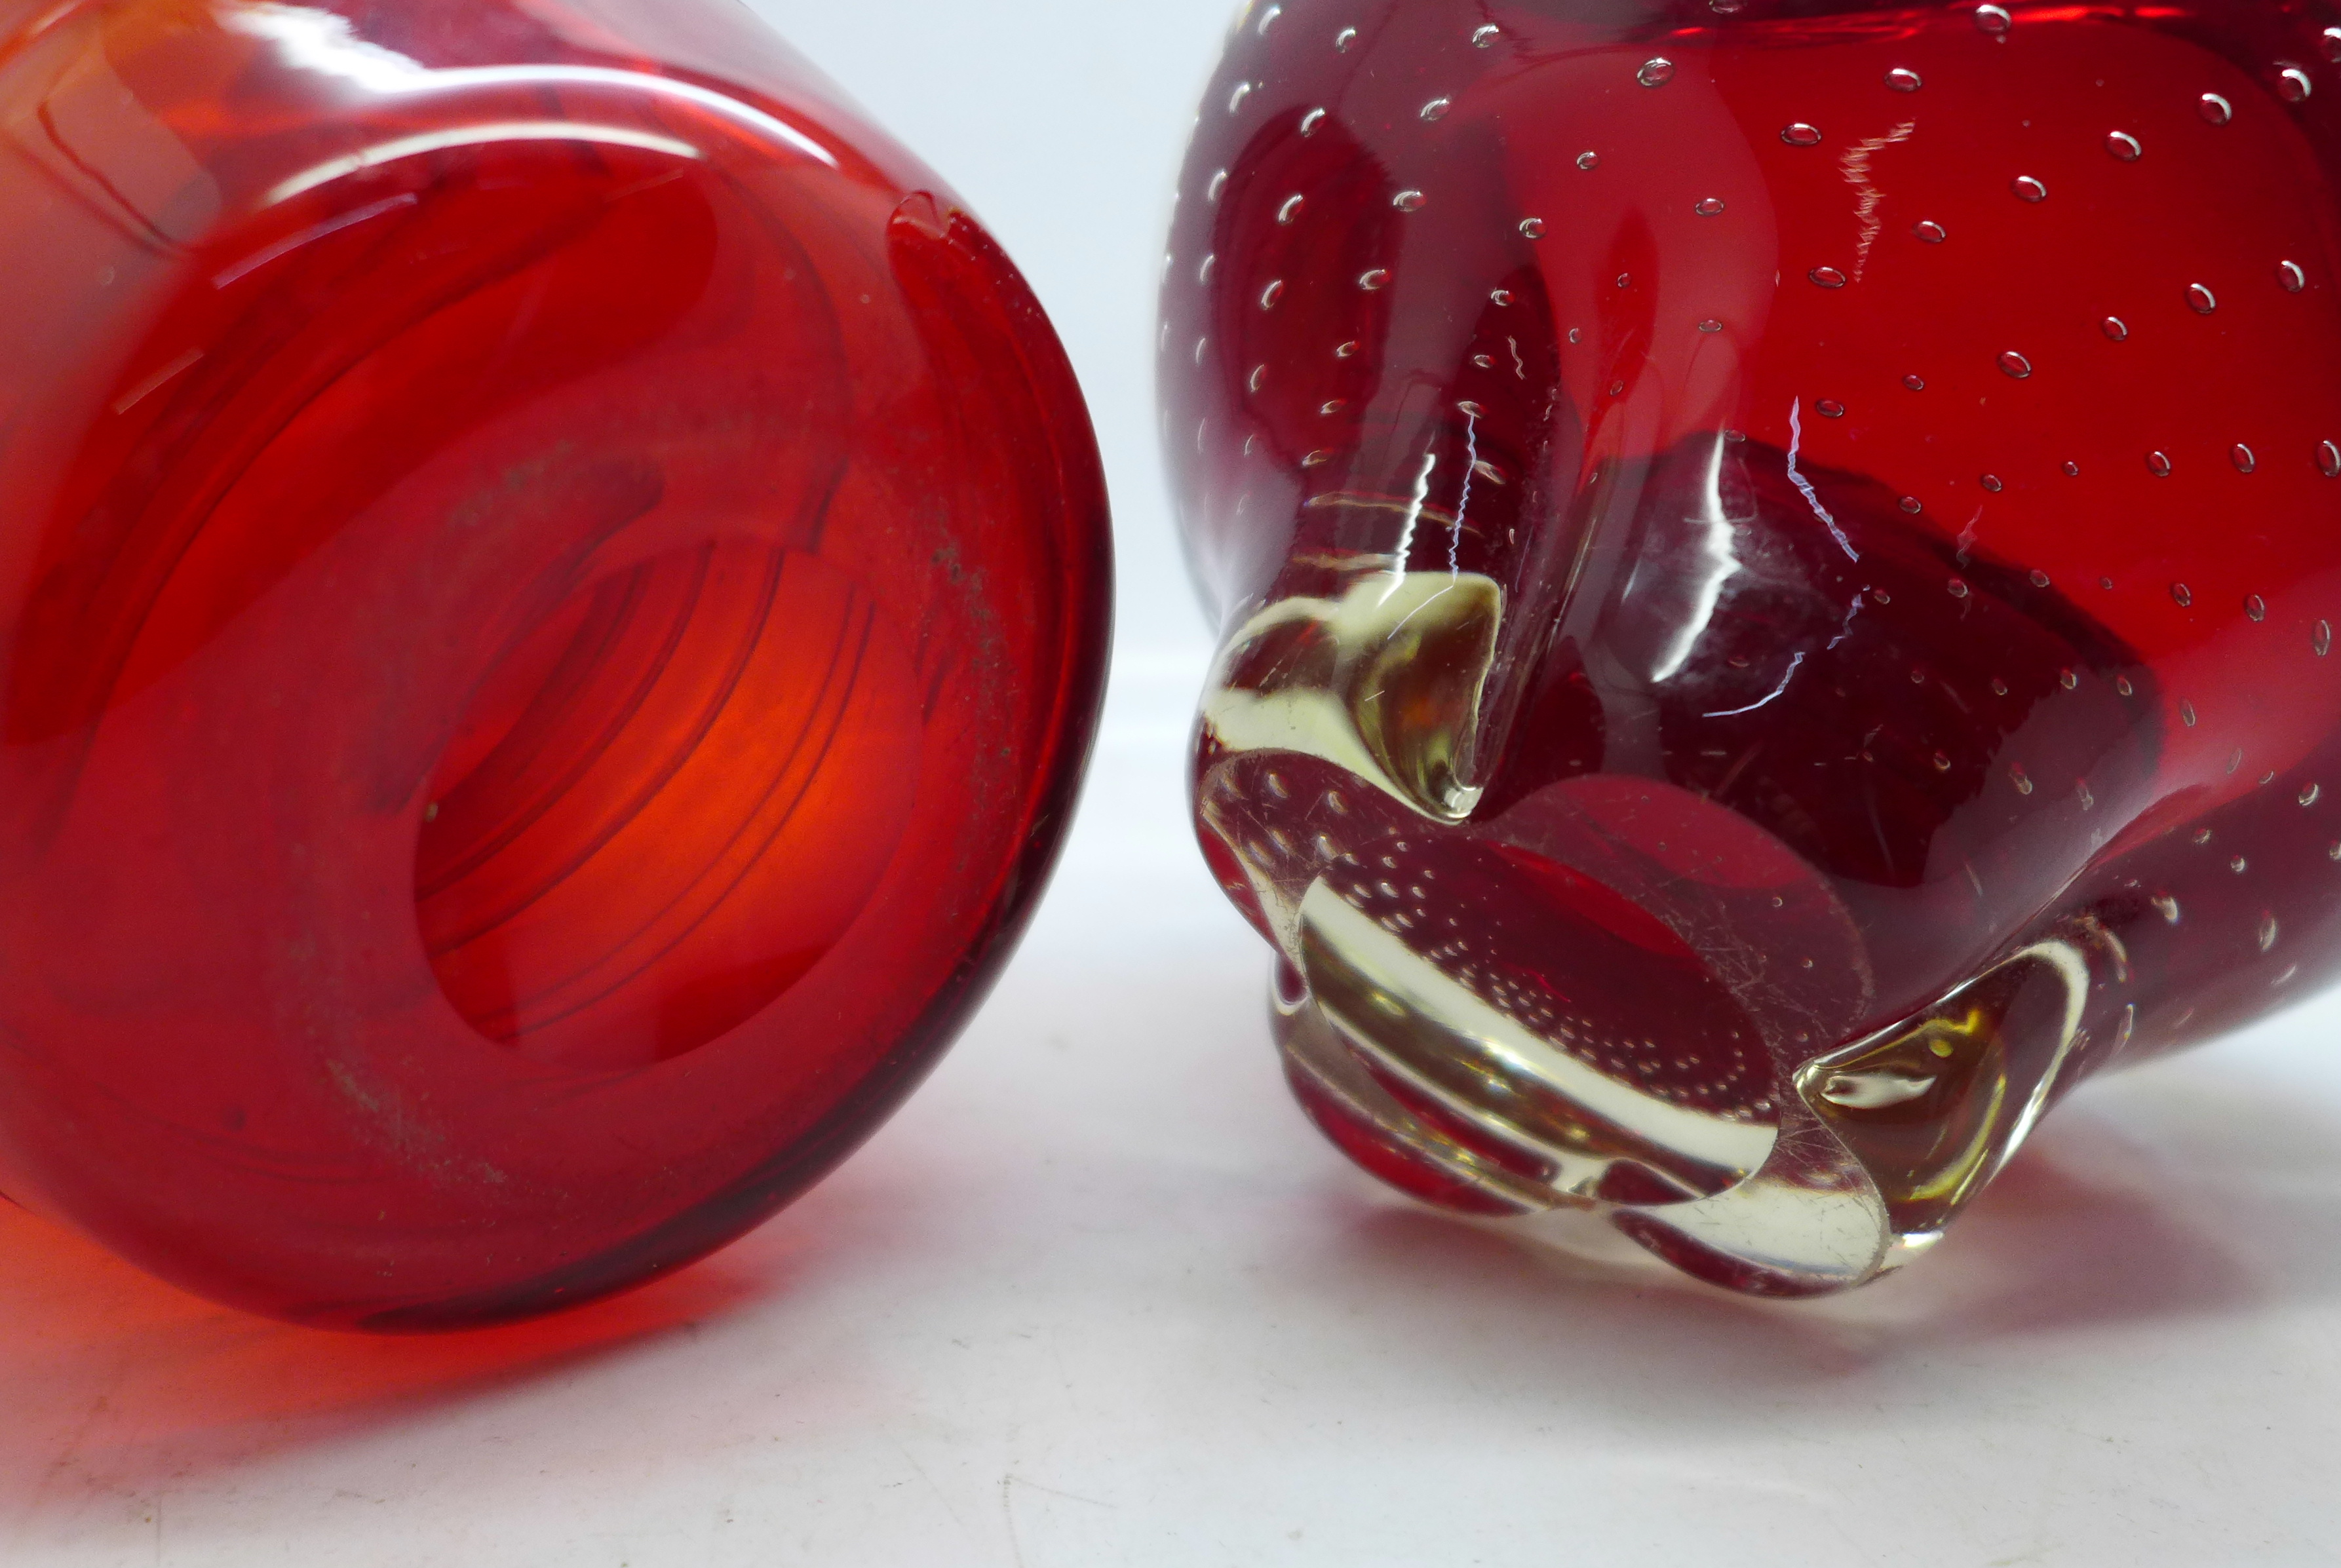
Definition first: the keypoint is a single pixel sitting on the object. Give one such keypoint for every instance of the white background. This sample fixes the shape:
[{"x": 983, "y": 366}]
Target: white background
[{"x": 1098, "y": 1296}]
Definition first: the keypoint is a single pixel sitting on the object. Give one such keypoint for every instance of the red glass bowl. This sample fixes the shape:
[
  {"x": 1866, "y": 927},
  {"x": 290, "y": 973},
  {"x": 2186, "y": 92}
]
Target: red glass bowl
[
  {"x": 1779, "y": 561},
  {"x": 554, "y": 595}
]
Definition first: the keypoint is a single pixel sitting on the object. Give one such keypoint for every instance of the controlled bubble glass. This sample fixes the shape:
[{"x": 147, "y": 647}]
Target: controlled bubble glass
[{"x": 1777, "y": 563}]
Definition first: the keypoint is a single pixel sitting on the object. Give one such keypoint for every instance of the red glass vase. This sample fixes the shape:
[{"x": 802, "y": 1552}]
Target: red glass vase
[
  {"x": 553, "y": 589},
  {"x": 1779, "y": 561}
]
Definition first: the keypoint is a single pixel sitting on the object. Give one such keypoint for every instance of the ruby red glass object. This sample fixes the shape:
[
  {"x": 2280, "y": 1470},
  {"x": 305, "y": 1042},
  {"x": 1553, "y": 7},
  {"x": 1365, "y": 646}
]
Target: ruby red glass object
[
  {"x": 1779, "y": 562},
  {"x": 553, "y": 603}
]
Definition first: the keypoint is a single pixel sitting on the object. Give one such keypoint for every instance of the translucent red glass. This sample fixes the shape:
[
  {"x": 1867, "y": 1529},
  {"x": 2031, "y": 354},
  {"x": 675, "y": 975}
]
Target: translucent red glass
[
  {"x": 1779, "y": 561},
  {"x": 552, "y": 601}
]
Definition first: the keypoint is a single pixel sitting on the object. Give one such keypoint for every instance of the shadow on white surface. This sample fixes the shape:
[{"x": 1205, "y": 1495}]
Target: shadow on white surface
[
  {"x": 2079, "y": 1238},
  {"x": 1189, "y": 1276},
  {"x": 116, "y": 1384}
]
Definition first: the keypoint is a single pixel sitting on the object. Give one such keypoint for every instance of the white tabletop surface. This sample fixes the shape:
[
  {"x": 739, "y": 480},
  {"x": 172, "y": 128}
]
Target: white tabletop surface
[{"x": 1098, "y": 1296}]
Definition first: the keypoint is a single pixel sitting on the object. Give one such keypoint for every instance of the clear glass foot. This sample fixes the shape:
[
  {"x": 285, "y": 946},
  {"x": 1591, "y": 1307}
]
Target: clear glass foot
[{"x": 1880, "y": 1145}]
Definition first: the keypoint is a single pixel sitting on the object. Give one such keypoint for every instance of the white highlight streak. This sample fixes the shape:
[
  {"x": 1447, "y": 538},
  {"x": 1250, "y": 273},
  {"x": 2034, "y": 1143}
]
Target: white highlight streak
[
  {"x": 475, "y": 136},
  {"x": 1720, "y": 562},
  {"x": 1856, "y": 166},
  {"x": 313, "y": 40},
  {"x": 1794, "y": 659},
  {"x": 1796, "y": 442},
  {"x": 1844, "y": 630},
  {"x": 1463, "y": 506},
  {"x": 1413, "y": 517}
]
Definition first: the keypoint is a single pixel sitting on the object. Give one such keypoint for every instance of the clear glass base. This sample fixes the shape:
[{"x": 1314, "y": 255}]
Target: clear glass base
[{"x": 1879, "y": 1147}]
